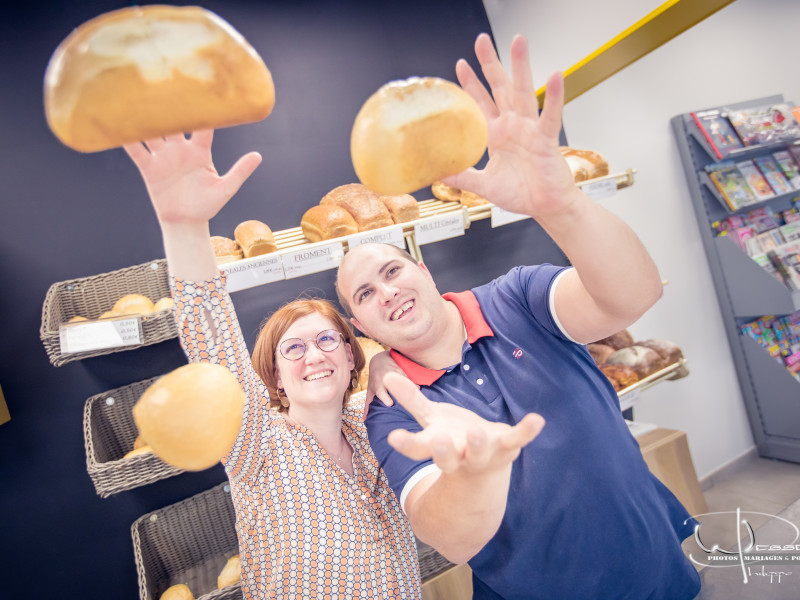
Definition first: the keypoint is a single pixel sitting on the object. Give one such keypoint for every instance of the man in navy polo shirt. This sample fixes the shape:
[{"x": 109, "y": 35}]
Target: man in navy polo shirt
[{"x": 514, "y": 456}]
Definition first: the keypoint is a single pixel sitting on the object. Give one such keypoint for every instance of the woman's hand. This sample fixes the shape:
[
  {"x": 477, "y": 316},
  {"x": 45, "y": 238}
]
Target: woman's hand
[
  {"x": 381, "y": 364},
  {"x": 181, "y": 179}
]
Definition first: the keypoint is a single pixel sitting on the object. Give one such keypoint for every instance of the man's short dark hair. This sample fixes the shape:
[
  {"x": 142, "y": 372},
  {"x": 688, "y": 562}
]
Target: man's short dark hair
[{"x": 343, "y": 302}]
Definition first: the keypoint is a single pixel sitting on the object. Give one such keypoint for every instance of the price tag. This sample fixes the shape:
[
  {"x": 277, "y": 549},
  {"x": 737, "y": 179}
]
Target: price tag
[
  {"x": 501, "y": 216},
  {"x": 389, "y": 235},
  {"x": 254, "y": 271},
  {"x": 98, "y": 335},
  {"x": 600, "y": 189},
  {"x": 312, "y": 260},
  {"x": 439, "y": 228},
  {"x": 629, "y": 399}
]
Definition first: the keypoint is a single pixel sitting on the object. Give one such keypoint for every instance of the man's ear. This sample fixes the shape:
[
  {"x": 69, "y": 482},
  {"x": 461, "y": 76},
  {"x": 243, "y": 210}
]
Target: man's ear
[
  {"x": 425, "y": 270},
  {"x": 354, "y": 322}
]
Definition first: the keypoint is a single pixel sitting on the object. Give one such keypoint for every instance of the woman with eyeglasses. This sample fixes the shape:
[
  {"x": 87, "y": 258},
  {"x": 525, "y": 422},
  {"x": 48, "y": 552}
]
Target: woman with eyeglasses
[{"x": 315, "y": 516}]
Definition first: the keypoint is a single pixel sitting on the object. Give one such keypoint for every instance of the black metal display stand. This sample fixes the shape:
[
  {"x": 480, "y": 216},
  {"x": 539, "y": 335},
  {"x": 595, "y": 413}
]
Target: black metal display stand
[{"x": 746, "y": 292}]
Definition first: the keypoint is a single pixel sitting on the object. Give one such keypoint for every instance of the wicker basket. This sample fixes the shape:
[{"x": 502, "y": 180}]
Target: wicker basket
[
  {"x": 431, "y": 563},
  {"x": 91, "y": 296},
  {"x": 187, "y": 542},
  {"x": 108, "y": 433}
]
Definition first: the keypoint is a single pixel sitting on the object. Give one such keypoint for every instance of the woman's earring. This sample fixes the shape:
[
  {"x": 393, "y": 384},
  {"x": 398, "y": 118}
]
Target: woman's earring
[
  {"x": 282, "y": 397},
  {"x": 354, "y": 382}
]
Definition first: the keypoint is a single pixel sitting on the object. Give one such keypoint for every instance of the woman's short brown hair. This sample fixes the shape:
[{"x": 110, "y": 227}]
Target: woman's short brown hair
[{"x": 265, "y": 350}]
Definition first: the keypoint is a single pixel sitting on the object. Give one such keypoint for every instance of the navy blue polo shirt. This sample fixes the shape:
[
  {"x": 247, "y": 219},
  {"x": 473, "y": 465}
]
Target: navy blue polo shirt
[{"x": 585, "y": 518}]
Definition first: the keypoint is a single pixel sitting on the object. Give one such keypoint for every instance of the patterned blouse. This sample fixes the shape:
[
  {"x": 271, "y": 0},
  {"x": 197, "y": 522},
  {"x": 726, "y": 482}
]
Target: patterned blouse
[{"x": 306, "y": 528}]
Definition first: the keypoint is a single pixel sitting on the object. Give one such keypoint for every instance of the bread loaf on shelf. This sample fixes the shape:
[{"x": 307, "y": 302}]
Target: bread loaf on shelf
[
  {"x": 370, "y": 348},
  {"x": 254, "y": 238},
  {"x": 225, "y": 249},
  {"x": 600, "y": 352},
  {"x": 620, "y": 376},
  {"x": 619, "y": 340},
  {"x": 143, "y": 72},
  {"x": 451, "y": 194},
  {"x": 643, "y": 361},
  {"x": 584, "y": 164},
  {"x": 326, "y": 222},
  {"x": 667, "y": 350},
  {"x": 363, "y": 204},
  {"x": 403, "y": 208}
]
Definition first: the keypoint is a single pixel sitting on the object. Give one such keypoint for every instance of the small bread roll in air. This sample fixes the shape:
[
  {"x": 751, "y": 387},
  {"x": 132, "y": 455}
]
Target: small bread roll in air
[
  {"x": 413, "y": 132},
  {"x": 149, "y": 71},
  {"x": 191, "y": 416}
]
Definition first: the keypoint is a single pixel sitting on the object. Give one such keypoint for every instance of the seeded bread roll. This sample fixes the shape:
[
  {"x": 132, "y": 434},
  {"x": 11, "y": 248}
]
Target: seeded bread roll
[
  {"x": 148, "y": 71},
  {"x": 225, "y": 249},
  {"x": 362, "y": 203},
  {"x": 402, "y": 208},
  {"x": 413, "y": 132},
  {"x": 254, "y": 238},
  {"x": 326, "y": 222}
]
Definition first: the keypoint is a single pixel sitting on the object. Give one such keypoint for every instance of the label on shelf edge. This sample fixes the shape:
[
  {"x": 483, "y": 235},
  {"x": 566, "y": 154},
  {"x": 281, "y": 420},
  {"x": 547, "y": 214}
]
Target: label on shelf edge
[
  {"x": 501, "y": 216},
  {"x": 312, "y": 260},
  {"x": 600, "y": 189},
  {"x": 257, "y": 271},
  {"x": 99, "y": 335},
  {"x": 629, "y": 399},
  {"x": 439, "y": 228},
  {"x": 390, "y": 235}
]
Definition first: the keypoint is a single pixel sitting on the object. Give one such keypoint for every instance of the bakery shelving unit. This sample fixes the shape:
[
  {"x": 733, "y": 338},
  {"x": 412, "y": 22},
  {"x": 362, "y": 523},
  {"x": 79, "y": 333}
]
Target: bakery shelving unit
[
  {"x": 96, "y": 294},
  {"x": 746, "y": 291}
]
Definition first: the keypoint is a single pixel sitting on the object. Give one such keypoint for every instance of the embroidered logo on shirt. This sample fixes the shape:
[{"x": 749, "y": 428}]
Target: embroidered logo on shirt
[{"x": 517, "y": 353}]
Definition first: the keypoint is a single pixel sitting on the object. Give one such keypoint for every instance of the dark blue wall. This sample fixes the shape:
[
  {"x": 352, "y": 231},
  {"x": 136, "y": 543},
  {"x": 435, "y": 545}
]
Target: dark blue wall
[{"x": 66, "y": 215}]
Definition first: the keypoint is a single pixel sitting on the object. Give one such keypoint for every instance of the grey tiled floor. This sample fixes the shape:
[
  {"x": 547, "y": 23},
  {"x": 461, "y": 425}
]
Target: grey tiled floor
[{"x": 765, "y": 486}]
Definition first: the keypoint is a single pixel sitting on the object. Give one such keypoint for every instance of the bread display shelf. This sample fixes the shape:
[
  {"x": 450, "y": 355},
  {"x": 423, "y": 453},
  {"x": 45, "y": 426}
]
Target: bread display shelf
[
  {"x": 630, "y": 395},
  {"x": 96, "y": 294},
  {"x": 190, "y": 541},
  {"x": 109, "y": 433},
  {"x": 293, "y": 238}
]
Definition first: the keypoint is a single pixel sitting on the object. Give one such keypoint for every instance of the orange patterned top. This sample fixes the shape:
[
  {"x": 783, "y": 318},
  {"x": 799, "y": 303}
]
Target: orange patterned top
[{"x": 306, "y": 528}]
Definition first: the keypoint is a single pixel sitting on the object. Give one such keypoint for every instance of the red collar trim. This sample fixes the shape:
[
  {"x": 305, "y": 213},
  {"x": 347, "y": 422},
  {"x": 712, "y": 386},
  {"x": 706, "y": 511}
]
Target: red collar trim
[{"x": 477, "y": 327}]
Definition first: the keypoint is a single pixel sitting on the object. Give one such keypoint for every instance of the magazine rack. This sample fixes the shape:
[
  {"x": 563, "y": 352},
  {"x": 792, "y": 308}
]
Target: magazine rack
[{"x": 745, "y": 291}]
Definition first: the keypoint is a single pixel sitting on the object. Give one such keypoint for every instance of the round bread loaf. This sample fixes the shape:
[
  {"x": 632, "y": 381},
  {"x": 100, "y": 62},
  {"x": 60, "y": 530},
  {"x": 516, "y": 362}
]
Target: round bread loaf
[
  {"x": 191, "y": 416},
  {"x": 225, "y": 249},
  {"x": 133, "y": 304},
  {"x": 177, "y": 592},
  {"x": 231, "y": 573},
  {"x": 148, "y": 71},
  {"x": 254, "y": 238},
  {"x": 164, "y": 303},
  {"x": 413, "y": 132}
]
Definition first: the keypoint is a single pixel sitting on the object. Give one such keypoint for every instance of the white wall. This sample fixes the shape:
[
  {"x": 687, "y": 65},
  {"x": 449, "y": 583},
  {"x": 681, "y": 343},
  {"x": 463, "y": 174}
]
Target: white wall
[{"x": 736, "y": 54}]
